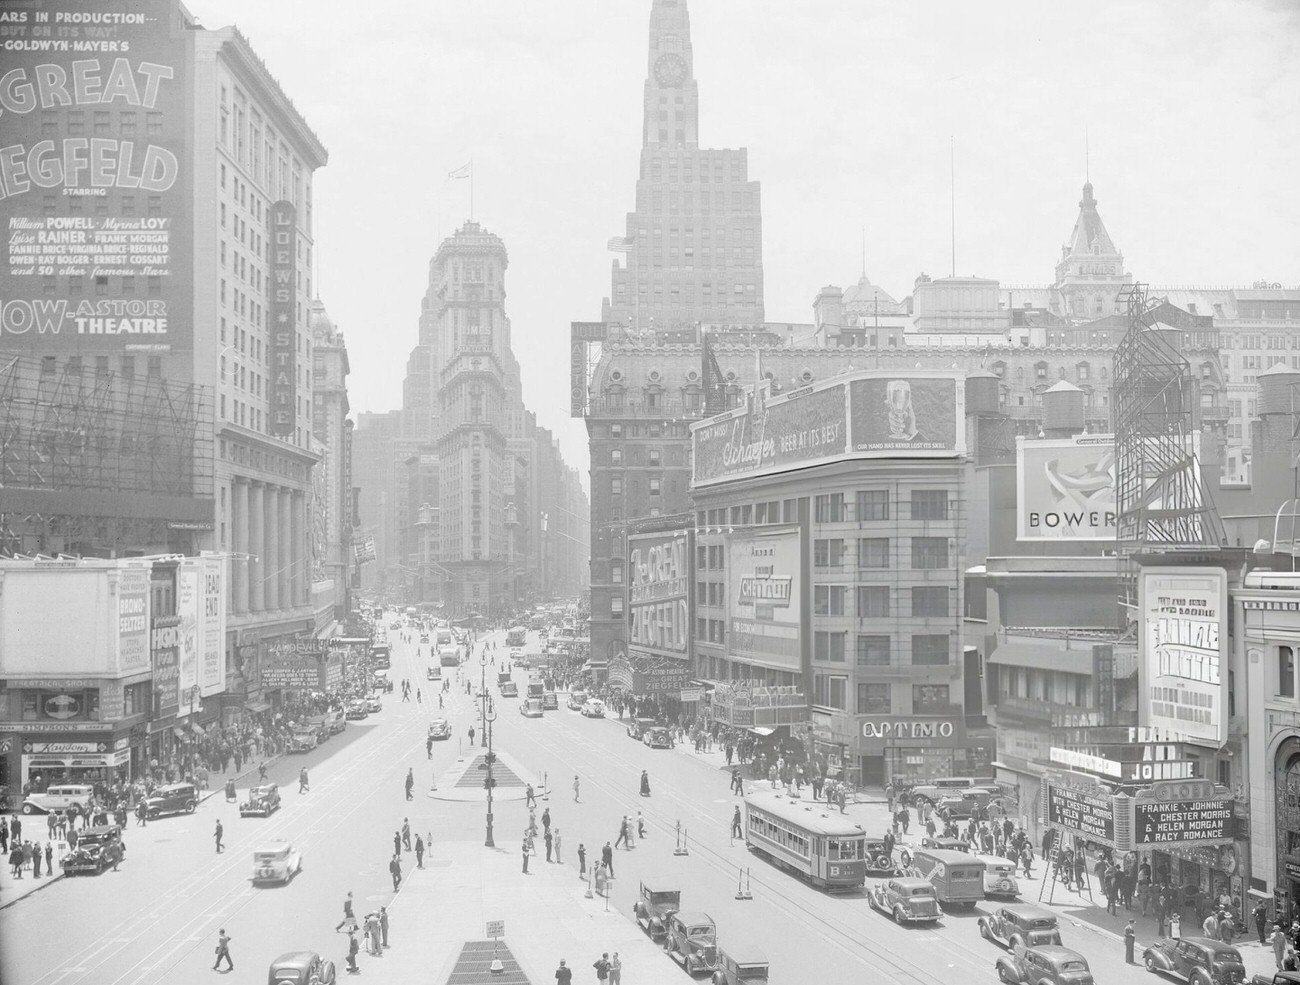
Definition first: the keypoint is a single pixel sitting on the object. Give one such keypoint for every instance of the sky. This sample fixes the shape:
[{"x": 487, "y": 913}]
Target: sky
[{"x": 849, "y": 109}]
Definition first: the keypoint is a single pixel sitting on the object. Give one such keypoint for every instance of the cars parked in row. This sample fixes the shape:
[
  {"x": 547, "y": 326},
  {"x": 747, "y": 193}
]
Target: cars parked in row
[
  {"x": 907, "y": 899},
  {"x": 637, "y": 728},
  {"x": 1198, "y": 960},
  {"x": 576, "y": 700},
  {"x": 303, "y": 739},
  {"x": 1046, "y": 965},
  {"x": 1020, "y": 925},
  {"x": 691, "y": 939},
  {"x": 356, "y": 710},
  {"x": 593, "y": 708},
  {"x": 658, "y": 738},
  {"x": 657, "y": 902}
]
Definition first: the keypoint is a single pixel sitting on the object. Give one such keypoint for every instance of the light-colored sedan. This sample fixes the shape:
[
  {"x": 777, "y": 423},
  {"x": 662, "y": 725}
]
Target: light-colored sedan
[
  {"x": 277, "y": 862},
  {"x": 594, "y": 708}
]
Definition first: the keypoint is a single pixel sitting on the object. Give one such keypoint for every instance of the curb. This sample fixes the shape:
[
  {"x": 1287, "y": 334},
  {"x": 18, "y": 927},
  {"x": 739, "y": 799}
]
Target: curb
[{"x": 31, "y": 892}]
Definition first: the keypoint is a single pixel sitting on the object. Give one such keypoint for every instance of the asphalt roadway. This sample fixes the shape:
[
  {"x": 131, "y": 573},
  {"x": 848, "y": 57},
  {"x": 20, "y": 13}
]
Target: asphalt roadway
[{"x": 157, "y": 918}]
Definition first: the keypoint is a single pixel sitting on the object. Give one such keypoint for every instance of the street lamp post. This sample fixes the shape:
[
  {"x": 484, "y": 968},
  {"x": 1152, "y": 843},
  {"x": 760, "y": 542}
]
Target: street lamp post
[
  {"x": 483, "y": 696},
  {"x": 489, "y": 716}
]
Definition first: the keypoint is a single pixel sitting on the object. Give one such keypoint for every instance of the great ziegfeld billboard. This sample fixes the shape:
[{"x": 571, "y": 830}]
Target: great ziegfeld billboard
[
  {"x": 94, "y": 187},
  {"x": 659, "y": 618},
  {"x": 1183, "y": 660},
  {"x": 765, "y": 597},
  {"x": 1066, "y": 488},
  {"x": 868, "y": 414}
]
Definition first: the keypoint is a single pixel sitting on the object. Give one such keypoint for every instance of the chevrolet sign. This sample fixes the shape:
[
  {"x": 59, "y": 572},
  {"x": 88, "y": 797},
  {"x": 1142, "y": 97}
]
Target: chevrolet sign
[{"x": 771, "y": 590}]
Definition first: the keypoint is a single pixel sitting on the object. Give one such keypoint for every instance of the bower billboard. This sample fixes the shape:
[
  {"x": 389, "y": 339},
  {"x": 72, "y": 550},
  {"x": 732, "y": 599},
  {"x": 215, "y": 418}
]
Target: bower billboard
[
  {"x": 1183, "y": 661},
  {"x": 94, "y": 182},
  {"x": 867, "y": 414},
  {"x": 1066, "y": 488},
  {"x": 765, "y": 597}
]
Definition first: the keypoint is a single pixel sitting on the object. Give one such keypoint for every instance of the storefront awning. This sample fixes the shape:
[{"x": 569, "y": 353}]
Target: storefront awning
[
  {"x": 257, "y": 706},
  {"x": 179, "y": 733},
  {"x": 196, "y": 728},
  {"x": 1051, "y": 655}
]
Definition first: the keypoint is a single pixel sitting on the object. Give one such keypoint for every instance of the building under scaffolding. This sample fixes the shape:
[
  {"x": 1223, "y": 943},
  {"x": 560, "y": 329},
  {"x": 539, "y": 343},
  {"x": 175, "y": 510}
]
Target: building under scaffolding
[{"x": 100, "y": 465}]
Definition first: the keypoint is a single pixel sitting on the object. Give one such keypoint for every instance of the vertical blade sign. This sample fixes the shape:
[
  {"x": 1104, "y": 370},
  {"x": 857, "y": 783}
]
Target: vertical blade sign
[{"x": 284, "y": 390}]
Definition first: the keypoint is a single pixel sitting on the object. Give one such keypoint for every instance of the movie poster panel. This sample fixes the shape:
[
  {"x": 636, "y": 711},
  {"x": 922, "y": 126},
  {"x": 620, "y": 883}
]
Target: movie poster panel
[
  {"x": 908, "y": 414},
  {"x": 188, "y": 581},
  {"x": 164, "y": 646},
  {"x": 94, "y": 191},
  {"x": 133, "y": 620},
  {"x": 1066, "y": 488},
  {"x": 212, "y": 664},
  {"x": 1183, "y": 660},
  {"x": 803, "y": 428},
  {"x": 764, "y": 598},
  {"x": 658, "y": 591}
]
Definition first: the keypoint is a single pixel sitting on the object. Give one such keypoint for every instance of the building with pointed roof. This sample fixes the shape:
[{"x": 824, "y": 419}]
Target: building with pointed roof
[{"x": 1090, "y": 273}]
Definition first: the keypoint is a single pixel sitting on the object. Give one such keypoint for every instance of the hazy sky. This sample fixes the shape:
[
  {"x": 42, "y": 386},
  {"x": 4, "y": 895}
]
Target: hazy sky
[{"x": 847, "y": 108}]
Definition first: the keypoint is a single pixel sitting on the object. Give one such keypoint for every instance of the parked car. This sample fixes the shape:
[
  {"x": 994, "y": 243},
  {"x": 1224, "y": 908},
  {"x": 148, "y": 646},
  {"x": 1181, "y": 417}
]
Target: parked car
[
  {"x": 549, "y": 701},
  {"x": 356, "y": 710},
  {"x": 1020, "y": 924},
  {"x": 303, "y": 739},
  {"x": 576, "y": 700},
  {"x": 98, "y": 848},
  {"x": 1199, "y": 960},
  {"x": 1047, "y": 965},
  {"x": 440, "y": 729},
  {"x": 1000, "y": 879},
  {"x": 656, "y": 904},
  {"x": 1277, "y": 978},
  {"x": 659, "y": 738},
  {"x": 172, "y": 798},
  {"x": 740, "y": 964},
  {"x": 373, "y": 703},
  {"x": 692, "y": 941},
  {"x": 277, "y": 862},
  {"x": 907, "y": 899},
  {"x": 263, "y": 801},
  {"x": 947, "y": 844},
  {"x": 593, "y": 708},
  {"x": 638, "y": 727},
  {"x": 70, "y": 798}
]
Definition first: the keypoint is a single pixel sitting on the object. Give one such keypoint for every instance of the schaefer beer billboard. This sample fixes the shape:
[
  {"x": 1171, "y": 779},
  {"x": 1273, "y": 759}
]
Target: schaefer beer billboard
[
  {"x": 1066, "y": 488},
  {"x": 659, "y": 618},
  {"x": 94, "y": 187},
  {"x": 1183, "y": 661},
  {"x": 867, "y": 414},
  {"x": 765, "y": 597}
]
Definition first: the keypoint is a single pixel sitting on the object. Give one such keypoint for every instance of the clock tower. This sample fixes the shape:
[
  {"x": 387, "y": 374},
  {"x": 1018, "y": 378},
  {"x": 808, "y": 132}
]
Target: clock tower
[{"x": 672, "y": 96}]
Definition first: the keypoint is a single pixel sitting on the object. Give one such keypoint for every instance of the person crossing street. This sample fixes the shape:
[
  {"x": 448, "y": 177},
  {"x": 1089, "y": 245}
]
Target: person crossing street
[{"x": 223, "y": 951}]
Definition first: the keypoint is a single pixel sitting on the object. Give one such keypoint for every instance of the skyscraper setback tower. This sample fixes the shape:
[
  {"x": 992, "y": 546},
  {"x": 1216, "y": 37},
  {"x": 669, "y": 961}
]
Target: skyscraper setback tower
[{"x": 694, "y": 245}]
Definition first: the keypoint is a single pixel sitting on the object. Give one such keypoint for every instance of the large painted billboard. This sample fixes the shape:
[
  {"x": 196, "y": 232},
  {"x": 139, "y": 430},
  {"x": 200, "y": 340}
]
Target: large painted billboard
[
  {"x": 867, "y": 414},
  {"x": 1183, "y": 660},
  {"x": 1066, "y": 488},
  {"x": 94, "y": 187},
  {"x": 907, "y": 414},
  {"x": 212, "y": 664},
  {"x": 765, "y": 598},
  {"x": 659, "y": 617},
  {"x": 133, "y": 620},
  {"x": 189, "y": 578}
]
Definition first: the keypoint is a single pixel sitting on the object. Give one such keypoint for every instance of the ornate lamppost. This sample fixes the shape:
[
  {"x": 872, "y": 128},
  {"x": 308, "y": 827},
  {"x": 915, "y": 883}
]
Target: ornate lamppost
[
  {"x": 483, "y": 697},
  {"x": 489, "y": 716}
]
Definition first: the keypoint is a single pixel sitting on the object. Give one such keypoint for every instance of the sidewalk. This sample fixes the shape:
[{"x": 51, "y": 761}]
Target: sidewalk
[
  {"x": 35, "y": 830},
  {"x": 546, "y": 917}
]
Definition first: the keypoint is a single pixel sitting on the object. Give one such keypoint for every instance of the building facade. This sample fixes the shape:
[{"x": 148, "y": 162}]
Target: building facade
[{"x": 332, "y": 427}]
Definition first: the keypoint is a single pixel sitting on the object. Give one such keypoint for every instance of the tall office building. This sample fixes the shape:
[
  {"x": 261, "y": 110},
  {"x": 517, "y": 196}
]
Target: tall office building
[
  {"x": 694, "y": 244},
  {"x": 694, "y": 262}
]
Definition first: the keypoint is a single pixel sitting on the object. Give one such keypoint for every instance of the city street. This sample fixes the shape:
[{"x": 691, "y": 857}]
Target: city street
[{"x": 158, "y": 917}]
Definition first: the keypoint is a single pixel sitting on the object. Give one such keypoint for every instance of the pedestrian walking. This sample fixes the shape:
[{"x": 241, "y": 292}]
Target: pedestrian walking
[
  {"x": 383, "y": 924},
  {"x": 557, "y": 846},
  {"x": 1130, "y": 938},
  {"x": 582, "y": 861},
  {"x": 410, "y": 783},
  {"x": 303, "y": 786},
  {"x": 1280, "y": 945},
  {"x": 419, "y": 852},
  {"x": 397, "y": 843},
  {"x": 395, "y": 869},
  {"x": 471, "y": 728},
  {"x": 216, "y": 834},
  {"x": 615, "y": 970},
  {"x": 16, "y": 862},
  {"x": 36, "y": 860},
  {"x": 348, "y": 920},
  {"x": 602, "y": 967},
  {"x": 645, "y": 784},
  {"x": 529, "y": 799},
  {"x": 223, "y": 951},
  {"x": 563, "y": 974},
  {"x": 546, "y": 819},
  {"x": 1260, "y": 913},
  {"x": 622, "y": 833},
  {"x": 525, "y": 854},
  {"x": 406, "y": 834},
  {"x": 353, "y": 948},
  {"x": 1175, "y": 925},
  {"x": 549, "y": 843},
  {"x": 575, "y": 790},
  {"x": 49, "y": 858},
  {"x": 607, "y": 856},
  {"x": 428, "y": 748},
  {"x": 735, "y": 823}
]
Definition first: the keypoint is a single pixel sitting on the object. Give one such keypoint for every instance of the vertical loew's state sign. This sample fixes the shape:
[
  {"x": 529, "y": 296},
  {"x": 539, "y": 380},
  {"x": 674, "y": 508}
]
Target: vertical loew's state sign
[{"x": 95, "y": 178}]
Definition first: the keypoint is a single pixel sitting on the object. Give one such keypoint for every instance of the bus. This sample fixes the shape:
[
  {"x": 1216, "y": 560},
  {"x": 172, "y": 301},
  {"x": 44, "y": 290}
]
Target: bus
[
  {"x": 379, "y": 655},
  {"x": 442, "y": 636},
  {"x": 516, "y": 635},
  {"x": 448, "y": 656},
  {"x": 826, "y": 849},
  {"x": 537, "y": 621}
]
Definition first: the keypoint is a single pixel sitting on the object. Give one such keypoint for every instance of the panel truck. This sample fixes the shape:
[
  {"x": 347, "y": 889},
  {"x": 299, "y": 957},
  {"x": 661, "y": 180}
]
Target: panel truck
[{"x": 509, "y": 689}]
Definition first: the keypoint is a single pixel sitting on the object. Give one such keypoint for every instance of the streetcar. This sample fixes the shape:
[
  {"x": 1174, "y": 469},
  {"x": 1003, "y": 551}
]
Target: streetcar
[
  {"x": 516, "y": 636},
  {"x": 825, "y": 849}
]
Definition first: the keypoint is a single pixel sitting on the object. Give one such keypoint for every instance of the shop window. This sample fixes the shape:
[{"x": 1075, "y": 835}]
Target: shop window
[{"x": 873, "y": 699}]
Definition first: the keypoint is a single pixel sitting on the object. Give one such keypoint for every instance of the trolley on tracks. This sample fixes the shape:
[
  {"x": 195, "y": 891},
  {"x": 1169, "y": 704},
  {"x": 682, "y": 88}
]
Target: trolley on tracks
[{"x": 824, "y": 848}]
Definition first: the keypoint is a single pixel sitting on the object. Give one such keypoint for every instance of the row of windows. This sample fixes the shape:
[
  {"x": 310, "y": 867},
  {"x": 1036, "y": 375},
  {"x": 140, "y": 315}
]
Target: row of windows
[
  {"x": 832, "y": 691},
  {"x": 74, "y": 123},
  {"x": 75, "y": 366},
  {"x": 874, "y": 650},
  {"x": 873, "y": 601},
  {"x": 875, "y": 552},
  {"x": 779, "y": 832},
  {"x": 683, "y": 203},
  {"x": 873, "y": 504}
]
